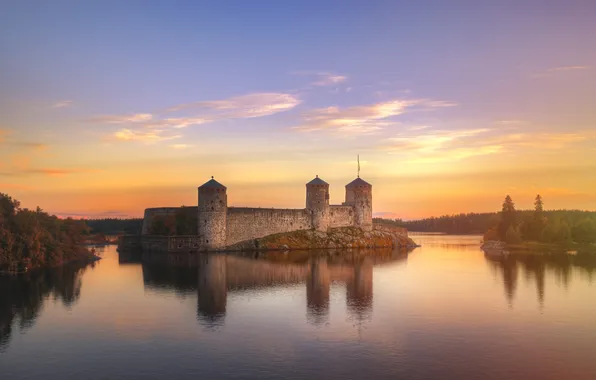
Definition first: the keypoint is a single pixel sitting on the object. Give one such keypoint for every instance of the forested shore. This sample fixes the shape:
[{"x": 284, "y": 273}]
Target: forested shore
[
  {"x": 513, "y": 226},
  {"x": 31, "y": 239}
]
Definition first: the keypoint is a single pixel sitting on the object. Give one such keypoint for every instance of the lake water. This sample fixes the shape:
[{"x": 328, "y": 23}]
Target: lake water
[{"x": 443, "y": 311}]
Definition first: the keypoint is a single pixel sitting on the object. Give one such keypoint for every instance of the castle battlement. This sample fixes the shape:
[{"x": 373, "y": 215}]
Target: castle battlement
[{"x": 219, "y": 226}]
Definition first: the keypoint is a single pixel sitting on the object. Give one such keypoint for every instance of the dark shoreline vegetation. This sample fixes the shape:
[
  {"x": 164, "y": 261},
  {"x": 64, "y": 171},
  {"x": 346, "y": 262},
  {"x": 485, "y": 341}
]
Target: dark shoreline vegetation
[
  {"x": 530, "y": 230},
  {"x": 33, "y": 239}
]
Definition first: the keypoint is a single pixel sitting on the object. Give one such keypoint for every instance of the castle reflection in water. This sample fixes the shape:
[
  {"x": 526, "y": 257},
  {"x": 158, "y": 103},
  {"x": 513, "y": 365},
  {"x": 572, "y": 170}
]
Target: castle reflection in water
[{"x": 214, "y": 276}]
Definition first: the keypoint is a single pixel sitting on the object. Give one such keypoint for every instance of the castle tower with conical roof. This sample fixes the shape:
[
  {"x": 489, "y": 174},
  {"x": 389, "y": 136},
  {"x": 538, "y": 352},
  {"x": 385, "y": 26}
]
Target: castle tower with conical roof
[
  {"x": 213, "y": 209},
  {"x": 359, "y": 195},
  {"x": 317, "y": 203}
]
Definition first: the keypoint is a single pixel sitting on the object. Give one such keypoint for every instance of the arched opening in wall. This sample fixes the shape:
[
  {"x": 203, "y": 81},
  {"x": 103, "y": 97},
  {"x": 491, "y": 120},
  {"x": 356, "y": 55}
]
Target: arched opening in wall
[
  {"x": 205, "y": 221},
  {"x": 212, "y": 208},
  {"x": 207, "y": 241}
]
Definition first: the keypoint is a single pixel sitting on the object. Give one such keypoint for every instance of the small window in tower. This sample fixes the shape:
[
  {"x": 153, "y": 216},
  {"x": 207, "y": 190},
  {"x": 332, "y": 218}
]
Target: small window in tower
[
  {"x": 212, "y": 208},
  {"x": 205, "y": 221}
]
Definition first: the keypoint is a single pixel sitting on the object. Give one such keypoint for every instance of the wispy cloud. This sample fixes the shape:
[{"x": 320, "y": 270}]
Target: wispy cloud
[
  {"x": 180, "y": 146},
  {"x": 30, "y": 145},
  {"x": 322, "y": 78},
  {"x": 51, "y": 172},
  {"x": 432, "y": 141},
  {"x": 444, "y": 145},
  {"x": 360, "y": 119},
  {"x": 560, "y": 69},
  {"x": 511, "y": 122},
  {"x": 245, "y": 106},
  {"x": 62, "y": 104},
  {"x": 568, "y": 68},
  {"x": 148, "y": 136},
  {"x": 153, "y": 127},
  {"x": 6, "y": 140},
  {"x": 418, "y": 127},
  {"x": 123, "y": 119},
  {"x": 541, "y": 140},
  {"x": 328, "y": 79}
]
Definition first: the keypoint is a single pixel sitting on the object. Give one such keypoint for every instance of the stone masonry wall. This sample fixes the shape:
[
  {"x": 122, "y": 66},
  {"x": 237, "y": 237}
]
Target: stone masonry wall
[
  {"x": 250, "y": 223},
  {"x": 341, "y": 216}
]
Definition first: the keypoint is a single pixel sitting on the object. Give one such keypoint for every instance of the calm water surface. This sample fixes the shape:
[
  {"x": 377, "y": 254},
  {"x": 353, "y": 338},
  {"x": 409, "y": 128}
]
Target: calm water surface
[{"x": 443, "y": 311}]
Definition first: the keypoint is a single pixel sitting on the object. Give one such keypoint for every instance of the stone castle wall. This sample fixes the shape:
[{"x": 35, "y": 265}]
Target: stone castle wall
[
  {"x": 341, "y": 216},
  {"x": 219, "y": 226},
  {"x": 244, "y": 223}
]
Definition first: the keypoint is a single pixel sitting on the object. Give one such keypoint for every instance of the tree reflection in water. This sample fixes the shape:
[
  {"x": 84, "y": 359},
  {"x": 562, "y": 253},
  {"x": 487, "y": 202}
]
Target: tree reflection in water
[
  {"x": 536, "y": 267},
  {"x": 23, "y": 297}
]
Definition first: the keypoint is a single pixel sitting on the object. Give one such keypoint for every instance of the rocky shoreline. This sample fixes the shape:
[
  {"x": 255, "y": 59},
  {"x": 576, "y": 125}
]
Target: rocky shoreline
[{"x": 343, "y": 237}]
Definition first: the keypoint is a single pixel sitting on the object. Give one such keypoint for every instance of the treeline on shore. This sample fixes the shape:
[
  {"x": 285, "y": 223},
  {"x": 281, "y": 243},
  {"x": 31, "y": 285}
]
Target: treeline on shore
[
  {"x": 115, "y": 226},
  {"x": 33, "y": 238},
  {"x": 511, "y": 225}
]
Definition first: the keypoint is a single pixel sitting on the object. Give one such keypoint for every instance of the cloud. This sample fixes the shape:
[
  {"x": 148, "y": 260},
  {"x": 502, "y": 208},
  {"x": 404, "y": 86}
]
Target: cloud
[
  {"x": 438, "y": 103},
  {"x": 443, "y": 145},
  {"x": 149, "y": 136},
  {"x": 245, "y": 106},
  {"x": 418, "y": 127},
  {"x": 123, "y": 119},
  {"x": 323, "y": 78},
  {"x": 435, "y": 141},
  {"x": 52, "y": 172},
  {"x": 560, "y": 69},
  {"x": 542, "y": 140},
  {"x": 30, "y": 145},
  {"x": 511, "y": 122},
  {"x": 58, "y": 172},
  {"x": 327, "y": 79},
  {"x": 568, "y": 68},
  {"x": 360, "y": 119},
  {"x": 20, "y": 144},
  {"x": 62, "y": 104},
  {"x": 152, "y": 127},
  {"x": 180, "y": 146}
]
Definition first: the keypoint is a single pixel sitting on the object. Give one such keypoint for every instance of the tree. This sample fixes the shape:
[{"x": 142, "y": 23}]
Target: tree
[
  {"x": 33, "y": 238},
  {"x": 512, "y": 236},
  {"x": 538, "y": 206},
  {"x": 507, "y": 217},
  {"x": 584, "y": 231},
  {"x": 491, "y": 234},
  {"x": 163, "y": 225},
  {"x": 563, "y": 235},
  {"x": 186, "y": 221}
]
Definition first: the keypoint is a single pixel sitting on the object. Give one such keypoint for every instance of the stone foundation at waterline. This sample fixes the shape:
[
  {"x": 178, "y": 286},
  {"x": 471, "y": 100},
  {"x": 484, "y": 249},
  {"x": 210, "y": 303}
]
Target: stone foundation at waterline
[{"x": 334, "y": 238}]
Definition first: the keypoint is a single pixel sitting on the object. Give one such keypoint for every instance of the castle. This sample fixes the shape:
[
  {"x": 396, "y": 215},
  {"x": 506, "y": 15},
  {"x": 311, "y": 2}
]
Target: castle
[{"x": 220, "y": 226}]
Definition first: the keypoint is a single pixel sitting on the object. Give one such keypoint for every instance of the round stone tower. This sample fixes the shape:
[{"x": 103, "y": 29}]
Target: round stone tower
[
  {"x": 317, "y": 203},
  {"x": 213, "y": 210},
  {"x": 359, "y": 196}
]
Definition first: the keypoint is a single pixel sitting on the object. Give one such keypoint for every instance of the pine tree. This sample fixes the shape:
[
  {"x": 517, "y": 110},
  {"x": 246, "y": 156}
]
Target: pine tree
[
  {"x": 507, "y": 217},
  {"x": 538, "y": 205}
]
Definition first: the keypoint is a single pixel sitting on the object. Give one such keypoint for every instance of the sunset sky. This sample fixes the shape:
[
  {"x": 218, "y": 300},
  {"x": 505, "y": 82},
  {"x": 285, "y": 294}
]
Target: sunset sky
[{"x": 109, "y": 107}]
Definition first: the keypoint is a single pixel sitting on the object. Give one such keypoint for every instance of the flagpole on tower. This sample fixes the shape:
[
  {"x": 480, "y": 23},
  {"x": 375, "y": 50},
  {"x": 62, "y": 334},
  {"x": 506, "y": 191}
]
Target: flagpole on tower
[{"x": 358, "y": 158}]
